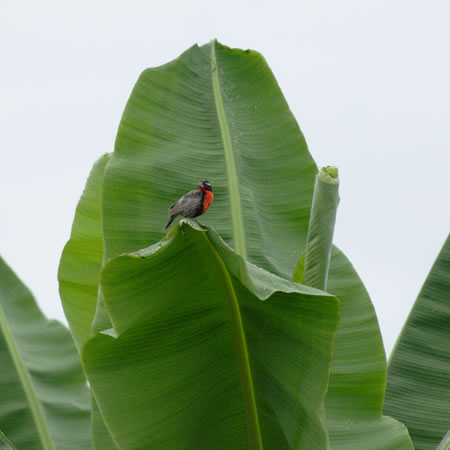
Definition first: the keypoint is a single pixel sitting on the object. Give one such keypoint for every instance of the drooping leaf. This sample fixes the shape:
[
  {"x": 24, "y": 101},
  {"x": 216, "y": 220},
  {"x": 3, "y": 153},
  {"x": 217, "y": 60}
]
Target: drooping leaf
[
  {"x": 418, "y": 389},
  {"x": 217, "y": 354},
  {"x": 82, "y": 258},
  {"x": 44, "y": 400}
]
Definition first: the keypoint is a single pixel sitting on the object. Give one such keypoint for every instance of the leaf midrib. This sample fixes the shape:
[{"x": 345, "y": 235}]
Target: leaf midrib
[
  {"x": 248, "y": 392},
  {"x": 35, "y": 407},
  {"x": 232, "y": 176}
]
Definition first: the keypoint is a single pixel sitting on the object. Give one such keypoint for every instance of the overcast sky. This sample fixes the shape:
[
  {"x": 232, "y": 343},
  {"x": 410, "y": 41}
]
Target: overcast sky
[{"x": 368, "y": 82}]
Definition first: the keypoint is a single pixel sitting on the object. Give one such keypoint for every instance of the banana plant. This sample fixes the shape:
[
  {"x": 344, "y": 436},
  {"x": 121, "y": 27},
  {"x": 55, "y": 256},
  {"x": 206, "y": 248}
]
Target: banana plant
[
  {"x": 418, "y": 388},
  {"x": 44, "y": 399},
  {"x": 198, "y": 338}
]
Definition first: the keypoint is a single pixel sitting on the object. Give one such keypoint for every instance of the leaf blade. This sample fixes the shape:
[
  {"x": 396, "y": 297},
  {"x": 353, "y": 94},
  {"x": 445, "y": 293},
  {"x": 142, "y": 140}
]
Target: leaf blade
[
  {"x": 354, "y": 400},
  {"x": 81, "y": 259},
  {"x": 418, "y": 388},
  {"x": 5, "y": 444},
  {"x": 43, "y": 392},
  {"x": 248, "y": 391},
  {"x": 170, "y": 138},
  {"x": 78, "y": 275},
  {"x": 195, "y": 330},
  {"x": 445, "y": 443},
  {"x": 233, "y": 182},
  {"x": 30, "y": 393}
]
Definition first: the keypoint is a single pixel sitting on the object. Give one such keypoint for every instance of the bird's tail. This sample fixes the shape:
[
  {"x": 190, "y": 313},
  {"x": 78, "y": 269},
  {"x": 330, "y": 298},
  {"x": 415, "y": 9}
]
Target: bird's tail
[{"x": 170, "y": 221}]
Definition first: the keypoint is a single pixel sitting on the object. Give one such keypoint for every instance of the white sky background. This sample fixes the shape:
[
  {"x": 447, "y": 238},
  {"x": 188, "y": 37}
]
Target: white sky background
[{"x": 368, "y": 82}]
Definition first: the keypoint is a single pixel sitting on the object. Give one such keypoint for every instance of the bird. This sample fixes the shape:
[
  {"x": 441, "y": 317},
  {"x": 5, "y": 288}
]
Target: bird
[{"x": 192, "y": 204}]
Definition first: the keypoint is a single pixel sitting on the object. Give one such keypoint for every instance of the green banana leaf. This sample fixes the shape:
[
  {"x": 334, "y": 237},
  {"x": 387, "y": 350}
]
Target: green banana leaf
[
  {"x": 101, "y": 438},
  {"x": 44, "y": 400},
  {"x": 217, "y": 354},
  {"x": 354, "y": 400},
  {"x": 445, "y": 443},
  {"x": 82, "y": 258},
  {"x": 418, "y": 389},
  {"x": 78, "y": 274},
  {"x": 4, "y": 443},
  {"x": 217, "y": 113}
]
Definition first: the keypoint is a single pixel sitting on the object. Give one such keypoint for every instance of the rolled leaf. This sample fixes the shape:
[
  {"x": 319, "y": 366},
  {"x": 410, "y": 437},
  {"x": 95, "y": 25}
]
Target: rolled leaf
[
  {"x": 217, "y": 354},
  {"x": 44, "y": 400},
  {"x": 319, "y": 239},
  {"x": 312, "y": 268},
  {"x": 418, "y": 389}
]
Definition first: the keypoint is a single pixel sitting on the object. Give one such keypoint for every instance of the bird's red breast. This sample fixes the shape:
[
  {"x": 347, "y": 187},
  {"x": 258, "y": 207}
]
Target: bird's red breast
[{"x": 207, "y": 199}]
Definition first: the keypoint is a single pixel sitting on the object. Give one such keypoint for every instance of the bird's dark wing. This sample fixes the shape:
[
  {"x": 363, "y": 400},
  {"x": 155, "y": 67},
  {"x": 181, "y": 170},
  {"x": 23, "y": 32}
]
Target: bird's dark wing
[{"x": 189, "y": 205}]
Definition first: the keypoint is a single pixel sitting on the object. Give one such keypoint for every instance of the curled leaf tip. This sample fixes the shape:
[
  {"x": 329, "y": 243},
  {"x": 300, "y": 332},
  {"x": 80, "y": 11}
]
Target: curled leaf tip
[{"x": 329, "y": 174}]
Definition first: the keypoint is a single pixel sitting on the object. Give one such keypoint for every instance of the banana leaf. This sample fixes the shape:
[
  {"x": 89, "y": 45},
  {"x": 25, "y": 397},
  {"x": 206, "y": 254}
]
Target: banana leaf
[
  {"x": 354, "y": 401},
  {"x": 44, "y": 399},
  {"x": 4, "y": 443},
  {"x": 78, "y": 276},
  {"x": 418, "y": 389},
  {"x": 216, "y": 354},
  {"x": 217, "y": 114},
  {"x": 82, "y": 258},
  {"x": 445, "y": 443}
]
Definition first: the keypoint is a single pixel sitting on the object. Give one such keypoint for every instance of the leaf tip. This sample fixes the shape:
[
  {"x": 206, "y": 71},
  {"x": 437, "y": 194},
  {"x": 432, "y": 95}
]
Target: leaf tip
[{"x": 329, "y": 174}]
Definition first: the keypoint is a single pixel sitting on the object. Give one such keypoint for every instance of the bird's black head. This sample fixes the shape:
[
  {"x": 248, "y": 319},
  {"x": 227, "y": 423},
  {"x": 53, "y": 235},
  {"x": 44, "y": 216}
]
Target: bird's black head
[{"x": 206, "y": 185}]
